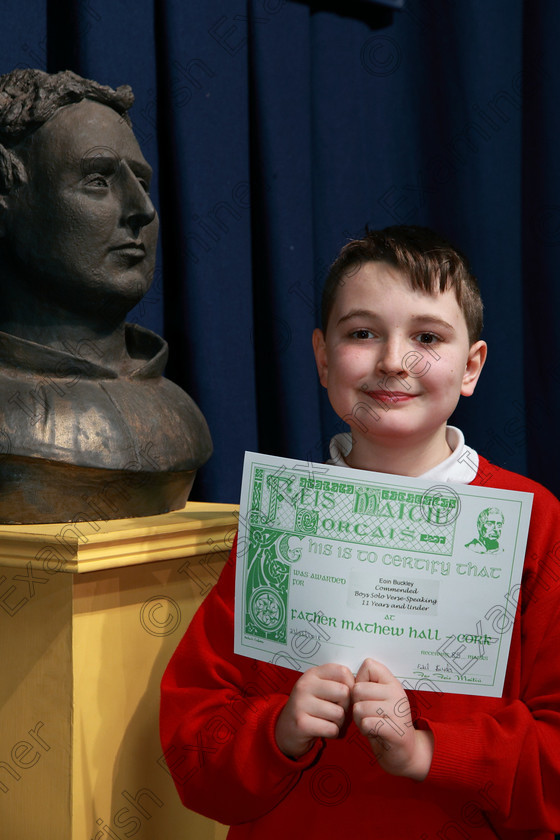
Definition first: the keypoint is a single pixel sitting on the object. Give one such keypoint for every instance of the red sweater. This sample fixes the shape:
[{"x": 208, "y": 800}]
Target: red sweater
[{"x": 496, "y": 765}]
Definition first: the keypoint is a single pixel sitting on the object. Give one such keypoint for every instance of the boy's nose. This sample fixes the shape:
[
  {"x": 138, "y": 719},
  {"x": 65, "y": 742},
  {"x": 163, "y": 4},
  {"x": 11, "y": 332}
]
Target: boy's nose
[{"x": 391, "y": 358}]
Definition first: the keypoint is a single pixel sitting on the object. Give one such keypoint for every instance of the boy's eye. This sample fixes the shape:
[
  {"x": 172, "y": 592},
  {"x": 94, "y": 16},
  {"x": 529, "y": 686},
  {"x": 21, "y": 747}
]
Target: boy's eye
[
  {"x": 361, "y": 334},
  {"x": 427, "y": 338}
]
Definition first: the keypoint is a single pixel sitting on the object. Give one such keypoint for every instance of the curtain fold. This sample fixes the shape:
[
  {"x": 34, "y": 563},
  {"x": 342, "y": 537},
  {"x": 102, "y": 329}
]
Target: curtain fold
[{"x": 278, "y": 129}]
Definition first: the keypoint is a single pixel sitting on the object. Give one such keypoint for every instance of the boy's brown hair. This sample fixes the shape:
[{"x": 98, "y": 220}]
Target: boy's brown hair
[{"x": 429, "y": 262}]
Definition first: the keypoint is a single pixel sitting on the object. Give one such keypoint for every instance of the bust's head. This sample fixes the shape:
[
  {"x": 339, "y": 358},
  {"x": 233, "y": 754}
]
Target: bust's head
[{"x": 77, "y": 226}]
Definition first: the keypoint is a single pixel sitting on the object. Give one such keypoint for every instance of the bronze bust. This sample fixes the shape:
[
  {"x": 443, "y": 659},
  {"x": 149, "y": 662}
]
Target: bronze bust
[{"x": 89, "y": 427}]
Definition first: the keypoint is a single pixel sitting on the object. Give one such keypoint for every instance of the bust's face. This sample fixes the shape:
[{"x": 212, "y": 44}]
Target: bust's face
[{"x": 83, "y": 229}]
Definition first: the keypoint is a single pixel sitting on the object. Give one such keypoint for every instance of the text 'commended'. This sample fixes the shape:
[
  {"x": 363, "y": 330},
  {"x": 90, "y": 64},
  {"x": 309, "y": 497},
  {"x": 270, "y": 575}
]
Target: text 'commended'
[{"x": 335, "y": 565}]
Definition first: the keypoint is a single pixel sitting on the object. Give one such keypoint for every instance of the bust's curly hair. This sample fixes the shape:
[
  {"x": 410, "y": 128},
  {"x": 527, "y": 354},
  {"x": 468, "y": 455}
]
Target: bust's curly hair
[{"x": 28, "y": 98}]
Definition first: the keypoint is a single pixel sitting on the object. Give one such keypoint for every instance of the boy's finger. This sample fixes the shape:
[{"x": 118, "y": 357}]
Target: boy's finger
[
  {"x": 370, "y": 691},
  {"x": 338, "y": 673},
  {"x": 373, "y": 671},
  {"x": 333, "y": 691}
]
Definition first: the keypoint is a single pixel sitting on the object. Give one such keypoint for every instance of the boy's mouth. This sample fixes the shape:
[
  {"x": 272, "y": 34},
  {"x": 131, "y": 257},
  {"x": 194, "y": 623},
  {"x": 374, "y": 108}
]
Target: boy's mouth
[{"x": 391, "y": 397}]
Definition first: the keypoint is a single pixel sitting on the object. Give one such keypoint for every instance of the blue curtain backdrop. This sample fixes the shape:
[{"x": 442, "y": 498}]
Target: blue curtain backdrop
[{"x": 277, "y": 129}]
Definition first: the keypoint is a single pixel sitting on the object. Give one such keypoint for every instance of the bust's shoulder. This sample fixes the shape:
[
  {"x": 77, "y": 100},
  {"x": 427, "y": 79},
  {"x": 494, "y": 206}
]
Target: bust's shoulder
[{"x": 60, "y": 407}]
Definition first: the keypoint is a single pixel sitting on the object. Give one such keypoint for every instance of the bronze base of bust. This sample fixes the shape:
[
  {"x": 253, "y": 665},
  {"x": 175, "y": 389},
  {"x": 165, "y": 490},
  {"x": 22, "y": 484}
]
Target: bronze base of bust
[{"x": 34, "y": 490}]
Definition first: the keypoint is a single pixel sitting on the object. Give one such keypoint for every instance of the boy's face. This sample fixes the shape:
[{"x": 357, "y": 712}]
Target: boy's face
[{"x": 394, "y": 359}]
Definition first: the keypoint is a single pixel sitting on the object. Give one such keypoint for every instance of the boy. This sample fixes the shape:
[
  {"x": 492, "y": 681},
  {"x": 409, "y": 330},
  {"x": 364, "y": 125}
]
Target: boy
[{"x": 277, "y": 754}]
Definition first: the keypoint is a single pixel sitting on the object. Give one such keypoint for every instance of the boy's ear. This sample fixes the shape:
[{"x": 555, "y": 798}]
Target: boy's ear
[
  {"x": 475, "y": 363},
  {"x": 320, "y": 350}
]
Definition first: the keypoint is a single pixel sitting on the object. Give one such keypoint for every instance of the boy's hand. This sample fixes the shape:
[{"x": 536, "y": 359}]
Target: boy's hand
[
  {"x": 316, "y": 708},
  {"x": 382, "y": 714}
]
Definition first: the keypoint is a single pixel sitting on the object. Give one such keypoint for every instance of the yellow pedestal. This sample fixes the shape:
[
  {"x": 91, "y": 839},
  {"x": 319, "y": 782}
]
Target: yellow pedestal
[{"x": 90, "y": 614}]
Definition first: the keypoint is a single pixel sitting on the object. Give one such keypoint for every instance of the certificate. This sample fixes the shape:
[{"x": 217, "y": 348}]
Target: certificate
[{"x": 336, "y": 565}]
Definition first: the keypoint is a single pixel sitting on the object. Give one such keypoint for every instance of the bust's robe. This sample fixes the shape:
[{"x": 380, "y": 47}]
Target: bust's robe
[{"x": 80, "y": 442}]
